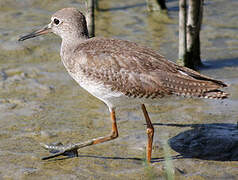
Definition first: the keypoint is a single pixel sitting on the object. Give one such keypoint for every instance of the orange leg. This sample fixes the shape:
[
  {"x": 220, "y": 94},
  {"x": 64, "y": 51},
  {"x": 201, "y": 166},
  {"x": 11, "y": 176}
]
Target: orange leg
[
  {"x": 74, "y": 147},
  {"x": 149, "y": 131},
  {"x": 114, "y": 133}
]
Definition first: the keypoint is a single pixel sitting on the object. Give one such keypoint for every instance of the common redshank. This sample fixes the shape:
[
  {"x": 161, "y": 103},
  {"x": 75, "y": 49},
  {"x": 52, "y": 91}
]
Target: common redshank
[{"x": 120, "y": 72}]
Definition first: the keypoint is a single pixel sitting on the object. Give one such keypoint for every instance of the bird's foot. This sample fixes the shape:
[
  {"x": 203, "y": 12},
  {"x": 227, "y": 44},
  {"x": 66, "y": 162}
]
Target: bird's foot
[
  {"x": 59, "y": 149},
  {"x": 69, "y": 150}
]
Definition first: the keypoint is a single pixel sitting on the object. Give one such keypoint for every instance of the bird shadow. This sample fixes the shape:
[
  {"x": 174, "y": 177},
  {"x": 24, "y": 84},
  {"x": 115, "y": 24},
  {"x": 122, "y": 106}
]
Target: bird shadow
[
  {"x": 153, "y": 160},
  {"x": 217, "y": 141},
  {"x": 220, "y": 63}
]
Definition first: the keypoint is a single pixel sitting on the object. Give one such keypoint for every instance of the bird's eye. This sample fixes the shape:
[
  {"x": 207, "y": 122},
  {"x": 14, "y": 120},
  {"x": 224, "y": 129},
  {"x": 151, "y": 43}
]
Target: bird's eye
[{"x": 56, "y": 21}]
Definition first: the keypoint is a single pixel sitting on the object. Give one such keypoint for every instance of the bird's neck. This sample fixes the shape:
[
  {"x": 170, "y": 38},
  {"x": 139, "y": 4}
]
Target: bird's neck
[
  {"x": 70, "y": 44},
  {"x": 73, "y": 41},
  {"x": 67, "y": 49}
]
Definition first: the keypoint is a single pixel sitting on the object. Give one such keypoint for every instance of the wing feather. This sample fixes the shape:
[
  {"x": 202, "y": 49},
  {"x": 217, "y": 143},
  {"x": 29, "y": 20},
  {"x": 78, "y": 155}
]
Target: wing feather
[{"x": 138, "y": 71}]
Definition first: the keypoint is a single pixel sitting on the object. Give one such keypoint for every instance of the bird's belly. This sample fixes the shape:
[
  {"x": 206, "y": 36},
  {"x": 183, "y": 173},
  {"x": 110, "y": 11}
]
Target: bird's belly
[
  {"x": 111, "y": 98},
  {"x": 100, "y": 91}
]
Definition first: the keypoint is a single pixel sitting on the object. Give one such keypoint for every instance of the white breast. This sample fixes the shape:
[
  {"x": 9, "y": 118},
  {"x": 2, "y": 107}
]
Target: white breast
[{"x": 99, "y": 90}]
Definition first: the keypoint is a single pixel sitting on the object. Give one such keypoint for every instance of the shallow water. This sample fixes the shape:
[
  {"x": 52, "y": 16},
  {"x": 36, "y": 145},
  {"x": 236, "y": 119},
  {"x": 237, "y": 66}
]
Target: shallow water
[{"x": 39, "y": 102}]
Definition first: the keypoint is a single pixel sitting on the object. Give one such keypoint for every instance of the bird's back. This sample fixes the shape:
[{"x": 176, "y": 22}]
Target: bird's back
[{"x": 139, "y": 72}]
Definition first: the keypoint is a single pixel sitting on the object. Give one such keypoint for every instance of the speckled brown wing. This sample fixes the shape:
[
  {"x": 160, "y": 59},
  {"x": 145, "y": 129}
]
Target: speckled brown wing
[{"x": 141, "y": 72}]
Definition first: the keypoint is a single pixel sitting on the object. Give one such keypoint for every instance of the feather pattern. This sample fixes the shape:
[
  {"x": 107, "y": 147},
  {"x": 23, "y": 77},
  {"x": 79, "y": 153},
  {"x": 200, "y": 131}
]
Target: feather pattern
[{"x": 138, "y": 71}]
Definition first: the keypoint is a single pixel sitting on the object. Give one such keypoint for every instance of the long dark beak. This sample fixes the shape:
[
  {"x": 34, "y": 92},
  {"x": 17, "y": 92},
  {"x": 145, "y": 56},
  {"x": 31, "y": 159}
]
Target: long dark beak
[{"x": 45, "y": 30}]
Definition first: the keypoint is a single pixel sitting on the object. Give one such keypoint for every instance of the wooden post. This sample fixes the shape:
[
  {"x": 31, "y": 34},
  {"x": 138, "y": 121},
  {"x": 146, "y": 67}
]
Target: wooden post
[
  {"x": 156, "y": 5},
  {"x": 90, "y": 17},
  {"x": 197, "y": 50},
  {"x": 182, "y": 32},
  {"x": 190, "y": 21},
  {"x": 193, "y": 34}
]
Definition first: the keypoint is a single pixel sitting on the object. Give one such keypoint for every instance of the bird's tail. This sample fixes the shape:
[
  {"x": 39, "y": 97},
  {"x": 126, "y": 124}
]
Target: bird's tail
[
  {"x": 194, "y": 86},
  {"x": 215, "y": 94}
]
